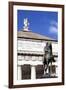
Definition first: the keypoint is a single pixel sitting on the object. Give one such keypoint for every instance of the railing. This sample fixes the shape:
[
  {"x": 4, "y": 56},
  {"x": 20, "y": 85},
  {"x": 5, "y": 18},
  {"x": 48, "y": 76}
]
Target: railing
[{"x": 34, "y": 52}]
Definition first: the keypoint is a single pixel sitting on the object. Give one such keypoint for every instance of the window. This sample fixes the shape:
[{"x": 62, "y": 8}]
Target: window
[
  {"x": 40, "y": 57},
  {"x": 21, "y": 57},
  {"x": 27, "y": 57}
]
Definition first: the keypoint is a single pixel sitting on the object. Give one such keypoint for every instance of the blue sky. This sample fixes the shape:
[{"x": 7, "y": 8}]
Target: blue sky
[{"x": 42, "y": 22}]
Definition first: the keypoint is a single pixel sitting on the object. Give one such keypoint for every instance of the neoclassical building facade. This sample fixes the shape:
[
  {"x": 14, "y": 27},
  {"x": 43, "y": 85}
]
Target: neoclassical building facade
[{"x": 30, "y": 51}]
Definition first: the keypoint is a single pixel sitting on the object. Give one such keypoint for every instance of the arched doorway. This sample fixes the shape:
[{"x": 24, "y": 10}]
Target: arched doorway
[
  {"x": 26, "y": 71},
  {"x": 39, "y": 71}
]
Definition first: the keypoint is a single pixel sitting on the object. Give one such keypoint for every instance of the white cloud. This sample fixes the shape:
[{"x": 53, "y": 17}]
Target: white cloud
[
  {"x": 53, "y": 27},
  {"x": 54, "y": 23}
]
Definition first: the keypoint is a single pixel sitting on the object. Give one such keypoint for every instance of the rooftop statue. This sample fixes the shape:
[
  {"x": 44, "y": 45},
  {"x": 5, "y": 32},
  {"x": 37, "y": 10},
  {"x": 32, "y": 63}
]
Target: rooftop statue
[{"x": 26, "y": 24}]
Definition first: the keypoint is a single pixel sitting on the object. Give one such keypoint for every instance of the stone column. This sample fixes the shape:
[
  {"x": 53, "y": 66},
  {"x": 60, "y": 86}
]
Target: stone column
[
  {"x": 19, "y": 76},
  {"x": 33, "y": 72}
]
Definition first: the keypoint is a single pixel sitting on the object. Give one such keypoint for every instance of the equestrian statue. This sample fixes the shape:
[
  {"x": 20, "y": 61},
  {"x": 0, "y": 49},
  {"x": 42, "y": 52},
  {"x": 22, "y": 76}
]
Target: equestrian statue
[{"x": 48, "y": 59}]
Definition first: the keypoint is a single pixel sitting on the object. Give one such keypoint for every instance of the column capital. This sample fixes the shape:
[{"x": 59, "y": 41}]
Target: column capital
[{"x": 33, "y": 65}]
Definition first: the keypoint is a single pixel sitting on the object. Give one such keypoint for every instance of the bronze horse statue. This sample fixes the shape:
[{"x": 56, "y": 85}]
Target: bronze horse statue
[{"x": 48, "y": 57}]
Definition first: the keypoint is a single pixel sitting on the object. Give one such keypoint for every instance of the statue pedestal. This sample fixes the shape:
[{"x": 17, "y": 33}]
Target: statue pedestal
[{"x": 47, "y": 75}]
